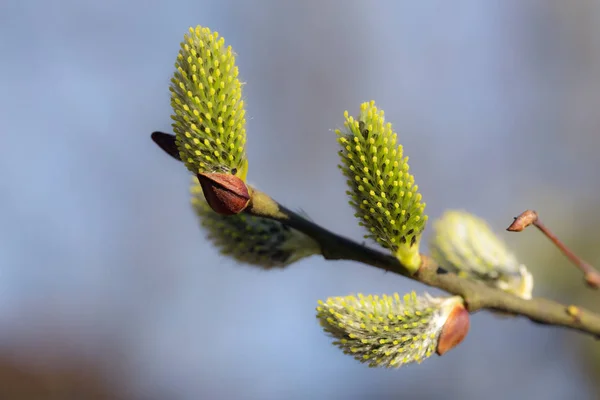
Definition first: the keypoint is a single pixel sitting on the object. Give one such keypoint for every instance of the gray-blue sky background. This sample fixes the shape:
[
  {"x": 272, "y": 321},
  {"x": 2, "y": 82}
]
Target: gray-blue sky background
[{"x": 103, "y": 264}]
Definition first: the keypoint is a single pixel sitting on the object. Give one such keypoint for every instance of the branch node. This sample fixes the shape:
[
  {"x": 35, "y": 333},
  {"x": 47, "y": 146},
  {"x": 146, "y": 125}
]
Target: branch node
[{"x": 574, "y": 312}]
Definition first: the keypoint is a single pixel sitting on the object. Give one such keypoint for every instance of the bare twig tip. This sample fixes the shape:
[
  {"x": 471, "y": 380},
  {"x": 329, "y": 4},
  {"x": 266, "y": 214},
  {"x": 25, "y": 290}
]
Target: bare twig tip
[
  {"x": 592, "y": 278},
  {"x": 529, "y": 217},
  {"x": 525, "y": 219}
]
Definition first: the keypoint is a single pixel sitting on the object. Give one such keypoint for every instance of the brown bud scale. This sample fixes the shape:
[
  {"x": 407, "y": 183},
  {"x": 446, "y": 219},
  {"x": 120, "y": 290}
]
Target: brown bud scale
[
  {"x": 523, "y": 221},
  {"x": 454, "y": 331},
  {"x": 226, "y": 194},
  {"x": 592, "y": 278}
]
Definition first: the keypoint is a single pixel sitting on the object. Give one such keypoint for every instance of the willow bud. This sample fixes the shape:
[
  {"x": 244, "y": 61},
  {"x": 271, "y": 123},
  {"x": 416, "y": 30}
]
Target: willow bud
[
  {"x": 465, "y": 244},
  {"x": 382, "y": 191},
  {"x": 257, "y": 241},
  {"x": 226, "y": 194},
  {"x": 388, "y": 331},
  {"x": 208, "y": 111}
]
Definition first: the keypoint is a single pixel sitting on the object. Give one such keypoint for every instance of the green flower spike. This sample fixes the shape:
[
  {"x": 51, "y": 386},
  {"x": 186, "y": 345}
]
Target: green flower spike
[
  {"x": 389, "y": 331},
  {"x": 465, "y": 244},
  {"x": 383, "y": 192},
  {"x": 252, "y": 240},
  {"x": 206, "y": 96}
]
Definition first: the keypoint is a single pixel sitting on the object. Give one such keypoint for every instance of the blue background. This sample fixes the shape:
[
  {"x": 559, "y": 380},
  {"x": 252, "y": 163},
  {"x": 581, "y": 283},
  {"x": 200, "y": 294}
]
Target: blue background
[{"x": 107, "y": 284}]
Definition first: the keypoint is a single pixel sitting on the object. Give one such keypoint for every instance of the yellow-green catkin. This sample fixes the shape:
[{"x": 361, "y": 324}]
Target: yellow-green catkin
[
  {"x": 206, "y": 95},
  {"x": 383, "y": 192},
  {"x": 256, "y": 241},
  {"x": 386, "y": 331},
  {"x": 465, "y": 244}
]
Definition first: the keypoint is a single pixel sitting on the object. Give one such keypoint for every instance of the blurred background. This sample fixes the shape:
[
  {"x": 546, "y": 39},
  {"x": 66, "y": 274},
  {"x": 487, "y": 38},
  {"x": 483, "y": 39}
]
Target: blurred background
[{"x": 108, "y": 288}]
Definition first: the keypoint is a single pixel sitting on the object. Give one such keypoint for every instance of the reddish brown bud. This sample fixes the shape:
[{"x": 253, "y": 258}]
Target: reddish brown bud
[
  {"x": 226, "y": 194},
  {"x": 592, "y": 278},
  {"x": 523, "y": 221},
  {"x": 455, "y": 329}
]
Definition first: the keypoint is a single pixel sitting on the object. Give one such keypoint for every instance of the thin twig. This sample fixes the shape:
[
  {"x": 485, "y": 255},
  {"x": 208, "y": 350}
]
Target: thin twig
[
  {"x": 477, "y": 295},
  {"x": 530, "y": 217}
]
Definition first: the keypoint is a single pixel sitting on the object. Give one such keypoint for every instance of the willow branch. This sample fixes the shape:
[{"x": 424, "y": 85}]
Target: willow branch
[{"x": 477, "y": 295}]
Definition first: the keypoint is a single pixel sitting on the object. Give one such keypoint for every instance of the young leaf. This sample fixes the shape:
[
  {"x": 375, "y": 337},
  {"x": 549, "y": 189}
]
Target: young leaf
[{"x": 383, "y": 193}]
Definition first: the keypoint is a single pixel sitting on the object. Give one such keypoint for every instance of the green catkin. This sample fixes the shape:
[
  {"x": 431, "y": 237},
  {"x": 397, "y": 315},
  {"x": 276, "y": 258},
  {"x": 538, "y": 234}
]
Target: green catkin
[
  {"x": 464, "y": 243},
  {"x": 208, "y": 111},
  {"x": 382, "y": 191},
  {"x": 386, "y": 331}
]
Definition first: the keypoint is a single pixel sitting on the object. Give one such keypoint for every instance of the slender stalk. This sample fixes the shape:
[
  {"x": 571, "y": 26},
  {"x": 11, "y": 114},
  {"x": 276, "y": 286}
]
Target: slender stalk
[
  {"x": 477, "y": 295},
  {"x": 530, "y": 217}
]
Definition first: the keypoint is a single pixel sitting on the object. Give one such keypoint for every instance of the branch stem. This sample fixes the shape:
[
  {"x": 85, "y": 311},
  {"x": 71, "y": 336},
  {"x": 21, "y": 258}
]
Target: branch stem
[
  {"x": 477, "y": 295},
  {"x": 530, "y": 217}
]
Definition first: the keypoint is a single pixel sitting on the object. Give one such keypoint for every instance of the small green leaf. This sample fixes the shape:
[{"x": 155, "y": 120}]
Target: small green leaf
[
  {"x": 465, "y": 244},
  {"x": 257, "y": 241},
  {"x": 206, "y": 96},
  {"x": 383, "y": 192}
]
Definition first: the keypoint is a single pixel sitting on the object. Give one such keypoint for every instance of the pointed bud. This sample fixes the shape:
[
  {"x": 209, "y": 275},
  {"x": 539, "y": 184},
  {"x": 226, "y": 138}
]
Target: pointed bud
[
  {"x": 226, "y": 194},
  {"x": 388, "y": 331},
  {"x": 592, "y": 279},
  {"x": 252, "y": 240},
  {"x": 525, "y": 219},
  {"x": 167, "y": 143}
]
